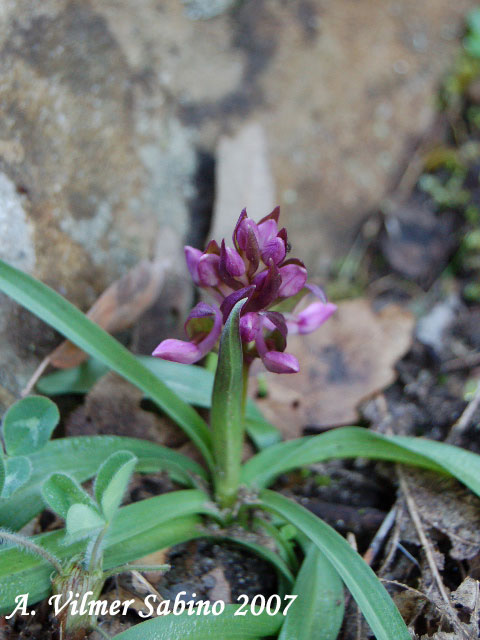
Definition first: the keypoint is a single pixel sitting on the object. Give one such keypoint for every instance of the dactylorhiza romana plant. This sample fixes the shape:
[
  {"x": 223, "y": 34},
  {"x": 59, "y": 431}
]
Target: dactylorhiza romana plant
[
  {"x": 257, "y": 276},
  {"x": 254, "y": 289}
]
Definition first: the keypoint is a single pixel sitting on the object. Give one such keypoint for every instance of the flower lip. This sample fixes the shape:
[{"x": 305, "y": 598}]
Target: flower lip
[
  {"x": 278, "y": 362},
  {"x": 294, "y": 278}
]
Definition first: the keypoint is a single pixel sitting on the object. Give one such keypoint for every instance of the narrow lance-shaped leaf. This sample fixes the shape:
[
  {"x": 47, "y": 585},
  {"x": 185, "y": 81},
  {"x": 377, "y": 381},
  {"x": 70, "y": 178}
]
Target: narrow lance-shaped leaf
[
  {"x": 74, "y": 325},
  {"x": 28, "y": 424},
  {"x": 351, "y": 442},
  {"x": 227, "y": 410},
  {"x": 317, "y": 613},
  {"x": 112, "y": 480},
  {"x": 372, "y": 598}
]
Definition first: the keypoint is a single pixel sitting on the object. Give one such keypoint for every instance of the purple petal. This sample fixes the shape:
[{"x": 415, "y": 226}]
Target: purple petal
[
  {"x": 267, "y": 288},
  {"x": 207, "y": 269},
  {"x": 278, "y": 321},
  {"x": 192, "y": 257},
  {"x": 266, "y": 231},
  {"x": 274, "y": 215},
  {"x": 231, "y": 300},
  {"x": 294, "y": 278},
  {"x": 246, "y": 226},
  {"x": 275, "y": 250},
  {"x": 178, "y": 351},
  {"x": 225, "y": 275},
  {"x": 278, "y": 362},
  {"x": 252, "y": 251},
  {"x": 242, "y": 217},
  {"x": 312, "y": 317},
  {"x": 317, "y": 291},
  {"x": 234, "y": 263},
  {"x": 204, "y": 324},
  {"x": 250, "y": 324}
]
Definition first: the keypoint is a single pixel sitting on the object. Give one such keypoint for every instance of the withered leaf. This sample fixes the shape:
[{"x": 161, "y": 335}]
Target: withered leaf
[{"x": 348, "y": 359}]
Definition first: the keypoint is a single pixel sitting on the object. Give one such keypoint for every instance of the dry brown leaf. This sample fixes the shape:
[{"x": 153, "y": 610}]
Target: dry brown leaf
[
  {"x": 444, "y": 505},
  {"x": 117, "y": 308},
  {"x": 349, "y": 359}
]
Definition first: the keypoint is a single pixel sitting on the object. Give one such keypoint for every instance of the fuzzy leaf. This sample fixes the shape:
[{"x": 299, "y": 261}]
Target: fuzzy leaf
[
  {"x": 61, "y": 492},
  {"x": 112, "y": 480},
  {"x": 17, "y": 473},
  {"x": 82, "y": 521},
  {"x": 28, "y": 424}
]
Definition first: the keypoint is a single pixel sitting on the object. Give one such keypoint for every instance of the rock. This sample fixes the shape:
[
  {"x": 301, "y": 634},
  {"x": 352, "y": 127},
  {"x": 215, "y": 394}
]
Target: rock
[
  {"x": 243, "y": 179},
  {"x": 96, "y": 171},
  {"x": 204, "y": 9}
]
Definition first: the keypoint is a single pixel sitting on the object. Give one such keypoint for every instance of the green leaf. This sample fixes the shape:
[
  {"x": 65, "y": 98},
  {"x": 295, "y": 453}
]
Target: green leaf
[
  {"x": 28, "y": 424},
  {"x": 75, "y": 380},
  {"x": 82, "y": 521},
  {"x": 60, "y": 492},
  {"x": 112, "y": 480},
  {"x": 317, "y": 613},
  {"x": 17, "y": 473},
  {"x": 138, "y": 530},
  {"x": 3, "y": 472},
  {"x": 225, "y": 626},
  {"x": 369, "y": 593},
  {"x": 55, "y": 310},
  {"x": 226, "y": 416},
  {"x": 191, "y": 383},
  {"x": 352, "y": 442},
  {"x": 81, "y": 457}
]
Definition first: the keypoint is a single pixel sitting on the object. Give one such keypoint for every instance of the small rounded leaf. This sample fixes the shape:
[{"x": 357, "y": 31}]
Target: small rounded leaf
[
  {"x": 112, "y": 480},
  {"x": 61, "y": 492},
  {"x": 28, "y": 424},
  {"x": 82, "y": 521},
  {"x": 17, "y": 472}
]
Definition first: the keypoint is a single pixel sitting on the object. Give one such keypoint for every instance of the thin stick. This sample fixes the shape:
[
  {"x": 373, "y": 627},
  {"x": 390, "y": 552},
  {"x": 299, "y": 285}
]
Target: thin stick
[
  {"x": 465, "y": 419},
  {"x": 380, "y": 536},
  {"x": 413, "y": 510},
  {"x": 36, "y": 375}
]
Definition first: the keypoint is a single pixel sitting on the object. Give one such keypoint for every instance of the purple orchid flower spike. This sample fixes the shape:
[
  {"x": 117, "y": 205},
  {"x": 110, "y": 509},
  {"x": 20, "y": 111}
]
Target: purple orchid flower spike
[{"x": 255, "y": 269}]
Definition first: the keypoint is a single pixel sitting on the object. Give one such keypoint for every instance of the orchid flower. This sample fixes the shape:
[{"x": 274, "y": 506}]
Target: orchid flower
[{"x": 256, "y": 269}]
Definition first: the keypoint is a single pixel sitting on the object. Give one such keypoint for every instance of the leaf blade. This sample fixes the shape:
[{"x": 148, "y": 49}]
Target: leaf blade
[
  {"x": 55, "y": 310},
  {"x": 372, "y": 598},
  {"x": 320, "y": 615}
]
